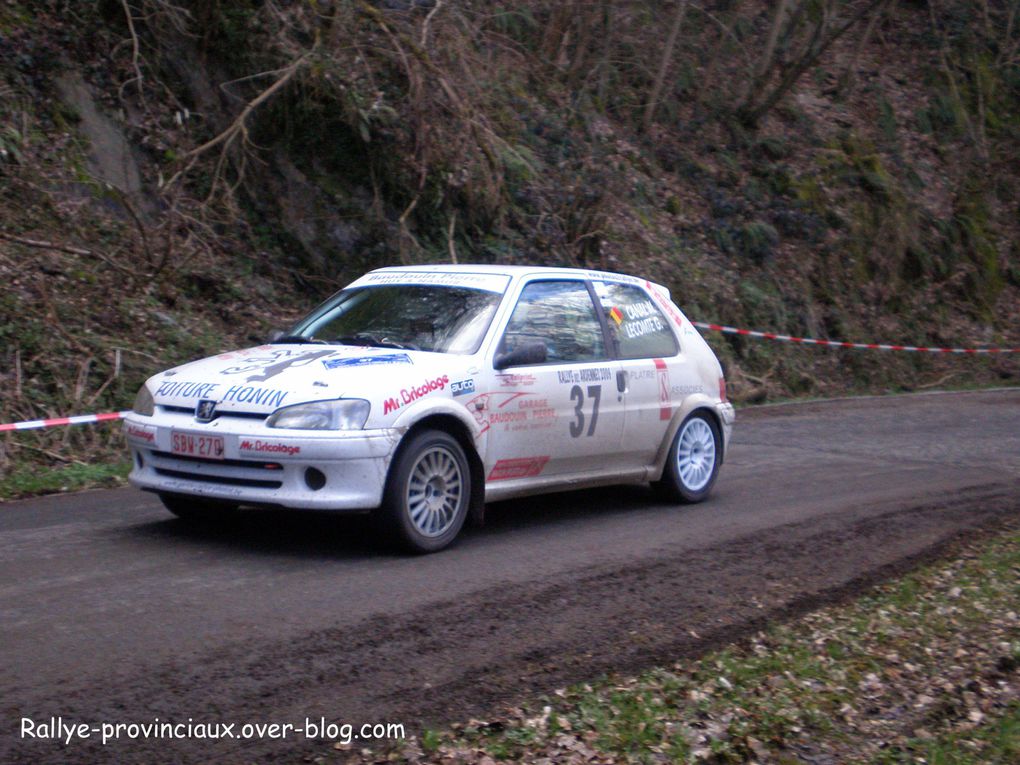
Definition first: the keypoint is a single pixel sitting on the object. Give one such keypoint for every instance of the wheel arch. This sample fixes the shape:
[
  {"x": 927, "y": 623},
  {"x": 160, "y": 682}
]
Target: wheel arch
[
  {"x": 455, "y": 427},
  {"x": 701, "y": 406}
]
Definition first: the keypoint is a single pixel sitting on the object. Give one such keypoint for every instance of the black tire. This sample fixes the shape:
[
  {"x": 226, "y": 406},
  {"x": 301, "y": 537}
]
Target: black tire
[
  {"x": 194, "y": 510},
  {"x": 693, "y": 462},
  {"x": 428, "y": 492}
]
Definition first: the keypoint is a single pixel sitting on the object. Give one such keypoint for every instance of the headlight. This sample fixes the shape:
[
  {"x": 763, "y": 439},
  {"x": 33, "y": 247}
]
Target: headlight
[
  {"x": 143, "y": 402},
  {"x": 344, "y": 414}
]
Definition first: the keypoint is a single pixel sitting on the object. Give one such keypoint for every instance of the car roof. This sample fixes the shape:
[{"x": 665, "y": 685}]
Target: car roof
[{"x": 517, "y": 272}]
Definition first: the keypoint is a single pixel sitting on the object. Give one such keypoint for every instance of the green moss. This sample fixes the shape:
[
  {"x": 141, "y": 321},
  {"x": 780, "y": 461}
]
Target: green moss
[
  {"x": 520, "y": 164},
  {"x": 965, "y": 241},
  {"x": 757, "y": 240},
  {"x": 945, "y": 115},
  {"x": 808, "y": 189},
  {"x": 32, "y": 480},
  {"x": 923, "y": 121},
  {"x": 763, "y": 305},
  {"x": 887, "y": 120},
  {"x": 861, "y": 163},
  {"x": 15, "y": 17},
  {"x": 778, "y": 180}
]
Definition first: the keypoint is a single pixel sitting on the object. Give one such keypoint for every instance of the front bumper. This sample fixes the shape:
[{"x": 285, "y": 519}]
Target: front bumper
[{"x": 335, "y": 470}]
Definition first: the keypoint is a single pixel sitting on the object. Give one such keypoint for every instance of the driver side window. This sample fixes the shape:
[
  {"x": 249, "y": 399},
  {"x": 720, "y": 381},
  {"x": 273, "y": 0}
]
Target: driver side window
[{"x": 561, "y": 316}]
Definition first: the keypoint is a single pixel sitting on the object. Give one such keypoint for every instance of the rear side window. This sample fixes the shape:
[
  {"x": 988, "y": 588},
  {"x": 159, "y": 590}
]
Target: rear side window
[{"x": 635, "y": 322}]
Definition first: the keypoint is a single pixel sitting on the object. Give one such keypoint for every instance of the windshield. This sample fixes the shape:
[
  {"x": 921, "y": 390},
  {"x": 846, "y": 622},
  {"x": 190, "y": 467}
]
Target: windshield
[{"x": 416, "y": 317}]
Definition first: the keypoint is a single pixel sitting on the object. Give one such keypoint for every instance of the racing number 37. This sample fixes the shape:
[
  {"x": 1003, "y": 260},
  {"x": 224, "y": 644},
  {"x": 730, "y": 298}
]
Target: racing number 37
[{"x": 577, "y": 396}]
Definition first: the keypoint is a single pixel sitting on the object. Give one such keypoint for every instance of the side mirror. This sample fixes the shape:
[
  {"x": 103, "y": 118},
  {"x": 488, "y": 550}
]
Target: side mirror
[
  {"x": 532, "y": 353},
  {"x": 275, "y": 335}
]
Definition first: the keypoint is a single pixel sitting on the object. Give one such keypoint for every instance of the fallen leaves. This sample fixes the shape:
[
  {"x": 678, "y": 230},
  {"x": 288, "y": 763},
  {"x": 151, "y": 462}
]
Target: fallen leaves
[{"x": 921, "y": 661}]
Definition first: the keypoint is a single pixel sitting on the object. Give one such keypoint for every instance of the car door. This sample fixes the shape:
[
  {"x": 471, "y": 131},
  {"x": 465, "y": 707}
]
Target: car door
[
  {"x": 655, "y": 371},
  {"x": 561, "y": 415}
]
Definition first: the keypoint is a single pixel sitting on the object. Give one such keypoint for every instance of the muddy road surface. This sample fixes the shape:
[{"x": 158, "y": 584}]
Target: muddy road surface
[{"x": 112, "y": 611}]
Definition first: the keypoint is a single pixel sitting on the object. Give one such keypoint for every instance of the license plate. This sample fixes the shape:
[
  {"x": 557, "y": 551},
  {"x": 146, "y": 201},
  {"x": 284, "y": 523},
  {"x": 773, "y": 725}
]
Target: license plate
[{"x": 194, "y": 445}]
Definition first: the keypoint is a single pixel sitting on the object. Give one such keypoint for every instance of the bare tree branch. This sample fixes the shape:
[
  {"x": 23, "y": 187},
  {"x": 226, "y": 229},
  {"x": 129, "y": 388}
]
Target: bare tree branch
[
  {"x": 239, "y": 127},
  {"x": 135, "y": 55},
  {"x": 66, "y": 248},
  {"x": 451, "y": 246},
  {"x": 428, "y": 20}
]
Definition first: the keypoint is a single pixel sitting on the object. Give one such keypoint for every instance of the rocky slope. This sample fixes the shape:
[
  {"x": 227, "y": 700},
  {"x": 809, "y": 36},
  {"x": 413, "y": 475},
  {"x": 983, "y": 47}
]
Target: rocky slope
[{"x": 180, "y": 178}]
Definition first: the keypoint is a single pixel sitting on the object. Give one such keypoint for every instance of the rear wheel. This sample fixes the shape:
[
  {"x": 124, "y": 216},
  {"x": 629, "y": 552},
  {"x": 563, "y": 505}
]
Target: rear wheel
[
  {"x": 693, "y": 462},
  {"x": 196, "y": 510},
  {"x": 428, "y": 492}
]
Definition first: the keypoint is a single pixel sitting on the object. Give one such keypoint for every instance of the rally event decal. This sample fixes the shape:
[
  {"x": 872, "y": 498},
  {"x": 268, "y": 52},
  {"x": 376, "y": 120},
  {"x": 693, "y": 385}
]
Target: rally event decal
[{"x": 366, "y": 361}]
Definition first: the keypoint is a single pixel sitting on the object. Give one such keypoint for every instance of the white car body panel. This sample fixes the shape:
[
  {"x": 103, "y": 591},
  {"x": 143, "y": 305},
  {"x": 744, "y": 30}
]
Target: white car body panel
[{"x": 523, "y": 421}]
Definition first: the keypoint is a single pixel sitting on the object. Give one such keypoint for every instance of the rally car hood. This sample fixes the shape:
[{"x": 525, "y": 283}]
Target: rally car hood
[{"x": 262, "y": 379}]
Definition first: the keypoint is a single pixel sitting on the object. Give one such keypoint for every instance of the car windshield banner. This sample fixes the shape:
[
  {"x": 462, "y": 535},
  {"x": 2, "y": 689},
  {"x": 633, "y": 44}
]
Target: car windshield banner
[{"x": 485, "y": 282}]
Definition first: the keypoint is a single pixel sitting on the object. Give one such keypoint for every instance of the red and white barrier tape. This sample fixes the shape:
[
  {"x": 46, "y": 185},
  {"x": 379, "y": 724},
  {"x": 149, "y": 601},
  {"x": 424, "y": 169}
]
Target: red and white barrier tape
[
  {"x": 84, "y": 419},
  {"x": 81, "y": 419},
  {"x": 842, "y": 344}
]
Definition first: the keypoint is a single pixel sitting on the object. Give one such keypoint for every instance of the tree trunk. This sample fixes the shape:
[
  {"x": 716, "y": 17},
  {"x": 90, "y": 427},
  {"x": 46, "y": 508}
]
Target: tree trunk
[
  {"x": 608, "y": 44},
  {"x": 846, "y": 82},
  {"x": 765, "y": 62},
  {"x": 667, "y": 57},
  {"x": 821, "y": 39}
]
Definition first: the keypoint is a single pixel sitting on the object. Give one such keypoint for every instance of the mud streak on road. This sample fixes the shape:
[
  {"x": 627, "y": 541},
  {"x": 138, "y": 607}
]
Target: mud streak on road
[{"x": 455, "y": 660}]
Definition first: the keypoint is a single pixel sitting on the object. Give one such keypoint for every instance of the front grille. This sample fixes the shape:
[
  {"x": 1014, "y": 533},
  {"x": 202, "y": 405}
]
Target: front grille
[
  {"x": 190, "y": 410},
  {"x": 258, "y": 465},
  {"x": 255, "y": 474},
  {"x": 254, "y": 483}
]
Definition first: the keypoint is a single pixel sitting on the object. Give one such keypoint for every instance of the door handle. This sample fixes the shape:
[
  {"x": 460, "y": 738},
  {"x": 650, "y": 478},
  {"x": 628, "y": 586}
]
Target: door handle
[{"x": 621, "y": 381}]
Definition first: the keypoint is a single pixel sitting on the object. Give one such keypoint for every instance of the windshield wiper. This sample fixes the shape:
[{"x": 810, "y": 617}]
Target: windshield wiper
[
  {"x": 296, "y": 339},
  {"x": 363, "y": 338}
]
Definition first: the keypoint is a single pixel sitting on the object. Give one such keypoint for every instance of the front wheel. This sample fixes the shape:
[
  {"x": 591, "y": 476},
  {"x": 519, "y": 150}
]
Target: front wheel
[
  {"x": 693, "y": 462},
  {"x": 428, "y": 492}
]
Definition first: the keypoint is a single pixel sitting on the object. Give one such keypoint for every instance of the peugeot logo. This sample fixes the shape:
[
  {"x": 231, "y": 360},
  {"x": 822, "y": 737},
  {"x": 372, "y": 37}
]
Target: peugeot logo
[{"x": 205, "y": 410}]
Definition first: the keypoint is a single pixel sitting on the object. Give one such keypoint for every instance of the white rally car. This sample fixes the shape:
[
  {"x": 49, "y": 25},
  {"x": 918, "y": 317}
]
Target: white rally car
[{"x": 427, "y": 391}]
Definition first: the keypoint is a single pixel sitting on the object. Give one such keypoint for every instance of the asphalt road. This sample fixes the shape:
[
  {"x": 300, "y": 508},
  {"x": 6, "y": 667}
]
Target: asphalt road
[{"x": 112, "y": 611}]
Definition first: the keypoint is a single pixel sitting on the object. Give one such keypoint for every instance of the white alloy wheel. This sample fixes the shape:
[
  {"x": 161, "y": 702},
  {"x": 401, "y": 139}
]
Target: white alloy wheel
[
  {"x": 695, "y": 454},
  {"x": 435, "y": 491},
  {"x": 694, "y": 458},
  {"x": 428, "y": 491}
]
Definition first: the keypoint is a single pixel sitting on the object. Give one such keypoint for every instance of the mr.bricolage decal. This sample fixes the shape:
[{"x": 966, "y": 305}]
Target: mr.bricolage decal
[{"x": 414, "y": 392}]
